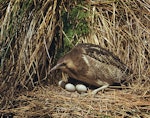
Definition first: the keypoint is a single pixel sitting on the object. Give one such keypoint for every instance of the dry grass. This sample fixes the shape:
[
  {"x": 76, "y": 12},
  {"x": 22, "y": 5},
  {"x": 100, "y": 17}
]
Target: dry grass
[
  {"x": 54, "y": 102},
  {"x": 32, "y": 32}
]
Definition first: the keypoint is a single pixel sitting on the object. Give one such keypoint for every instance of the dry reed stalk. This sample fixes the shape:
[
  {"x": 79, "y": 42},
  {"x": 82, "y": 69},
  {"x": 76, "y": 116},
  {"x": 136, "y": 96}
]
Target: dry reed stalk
[
  {"x": 27, "y": 31},
  {"x": 31, "y": 31}
]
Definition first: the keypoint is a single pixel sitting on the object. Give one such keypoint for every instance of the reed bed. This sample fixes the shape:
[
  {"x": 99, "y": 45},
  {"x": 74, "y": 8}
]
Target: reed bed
[{"x": 34, "y": 34}]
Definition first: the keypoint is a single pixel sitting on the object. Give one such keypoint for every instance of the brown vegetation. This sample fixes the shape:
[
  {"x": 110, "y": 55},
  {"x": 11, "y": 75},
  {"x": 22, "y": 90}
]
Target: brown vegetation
[{"x": 32, "y": 35}]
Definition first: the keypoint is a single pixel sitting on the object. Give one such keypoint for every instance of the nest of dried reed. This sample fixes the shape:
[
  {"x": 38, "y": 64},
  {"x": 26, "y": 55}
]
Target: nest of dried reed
[{"x": 32, "y": 33}]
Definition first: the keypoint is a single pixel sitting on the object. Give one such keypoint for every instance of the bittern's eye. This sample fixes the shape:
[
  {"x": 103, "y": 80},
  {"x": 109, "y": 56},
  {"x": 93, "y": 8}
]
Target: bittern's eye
[{"x": 63, "y": 64}]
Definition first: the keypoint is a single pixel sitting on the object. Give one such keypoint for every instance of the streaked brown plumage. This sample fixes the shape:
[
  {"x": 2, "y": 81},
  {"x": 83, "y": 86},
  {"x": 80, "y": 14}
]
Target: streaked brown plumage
[{"x": 94, "y": 65}]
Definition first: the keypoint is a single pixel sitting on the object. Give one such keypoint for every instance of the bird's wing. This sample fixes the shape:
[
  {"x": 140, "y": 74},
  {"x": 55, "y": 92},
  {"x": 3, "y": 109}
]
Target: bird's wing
[{"x": 104, "y": 56}]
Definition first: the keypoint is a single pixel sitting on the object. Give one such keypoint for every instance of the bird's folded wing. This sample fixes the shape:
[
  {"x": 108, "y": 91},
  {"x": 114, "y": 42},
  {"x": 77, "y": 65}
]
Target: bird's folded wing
[{"x": 103, "y": 56}]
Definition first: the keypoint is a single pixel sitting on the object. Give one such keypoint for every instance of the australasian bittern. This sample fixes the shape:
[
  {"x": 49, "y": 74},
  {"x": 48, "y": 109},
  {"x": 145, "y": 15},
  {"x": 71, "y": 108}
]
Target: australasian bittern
[{"x": 93, "y": 65}]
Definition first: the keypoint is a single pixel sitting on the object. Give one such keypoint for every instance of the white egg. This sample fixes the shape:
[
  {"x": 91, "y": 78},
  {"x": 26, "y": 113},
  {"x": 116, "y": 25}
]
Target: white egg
[
  {"x": 70, "y": 87},
  {"x": 81, "y": 88},
  {"x": 62, "y": 83}
]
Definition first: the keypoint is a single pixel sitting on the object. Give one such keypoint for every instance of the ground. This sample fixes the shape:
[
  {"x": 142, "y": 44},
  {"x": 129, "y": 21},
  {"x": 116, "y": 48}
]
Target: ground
[{"x": 55, "y": 102}]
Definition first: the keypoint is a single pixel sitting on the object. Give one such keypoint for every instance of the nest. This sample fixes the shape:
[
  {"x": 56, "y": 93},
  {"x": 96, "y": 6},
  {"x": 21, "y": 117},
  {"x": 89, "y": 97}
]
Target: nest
[{"x": 55, "y": 102}]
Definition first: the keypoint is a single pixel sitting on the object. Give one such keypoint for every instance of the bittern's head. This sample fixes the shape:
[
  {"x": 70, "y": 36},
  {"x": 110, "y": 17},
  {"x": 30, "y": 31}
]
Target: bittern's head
[
  {"x": 71, "y": 62},
  {"x": 65, "y": 64}
]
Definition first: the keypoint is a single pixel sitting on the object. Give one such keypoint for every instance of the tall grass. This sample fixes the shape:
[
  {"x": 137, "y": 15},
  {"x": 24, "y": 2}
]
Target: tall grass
[{"x": 33, "y": 33}]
